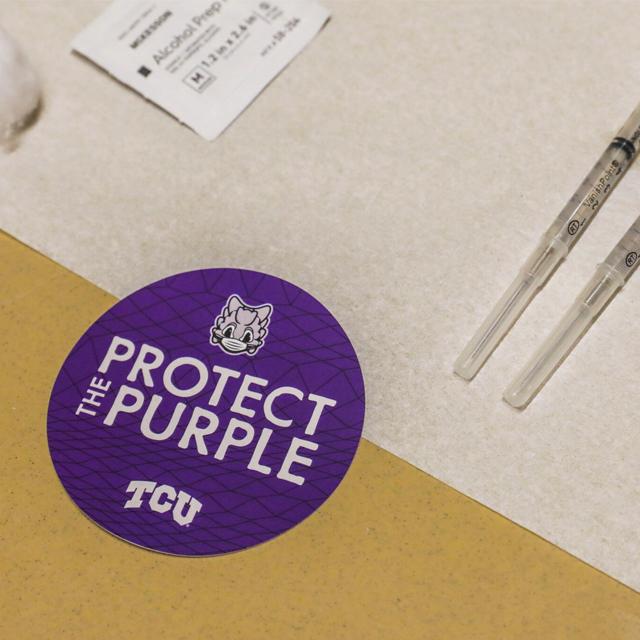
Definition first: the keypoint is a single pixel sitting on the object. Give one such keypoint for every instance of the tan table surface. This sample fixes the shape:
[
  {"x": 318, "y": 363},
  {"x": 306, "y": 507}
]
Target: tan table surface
[
  {"x": 394, "y": 553},
  {"x": 400, "y": 169}
]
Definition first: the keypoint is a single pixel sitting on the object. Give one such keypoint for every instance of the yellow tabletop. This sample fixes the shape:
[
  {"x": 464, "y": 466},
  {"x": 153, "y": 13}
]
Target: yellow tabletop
[{"x": 394, "y": 553}]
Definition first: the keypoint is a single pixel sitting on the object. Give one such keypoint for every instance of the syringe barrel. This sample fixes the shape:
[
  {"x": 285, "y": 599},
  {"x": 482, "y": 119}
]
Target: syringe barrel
[
  {"x": 630, "y": 130},
  {"x": 599, "y": 183},
  {"x": 625, "y": 257},
  {"x": 592, "y": 193},
  {"x": 558, "y": 240}
]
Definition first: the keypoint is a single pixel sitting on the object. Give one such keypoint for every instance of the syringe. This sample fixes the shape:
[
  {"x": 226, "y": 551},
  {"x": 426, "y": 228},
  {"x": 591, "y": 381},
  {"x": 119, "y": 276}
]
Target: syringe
[
  {"x": 554, "y": 246},
  {"x": 609, "y": 278}
]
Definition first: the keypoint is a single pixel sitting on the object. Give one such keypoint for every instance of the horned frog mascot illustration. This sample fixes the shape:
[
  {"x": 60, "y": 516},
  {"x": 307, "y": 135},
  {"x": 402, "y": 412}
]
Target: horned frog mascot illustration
[{"x": 241, "y": 328}]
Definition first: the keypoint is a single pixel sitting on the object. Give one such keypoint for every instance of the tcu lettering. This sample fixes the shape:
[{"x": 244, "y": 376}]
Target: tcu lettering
[{"x": 164, "y": 498}]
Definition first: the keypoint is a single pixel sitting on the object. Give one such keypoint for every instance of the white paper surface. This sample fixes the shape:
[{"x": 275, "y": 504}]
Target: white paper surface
[
  {"x": 400, "y": 171},
  {"x": 203, "y": 61}
]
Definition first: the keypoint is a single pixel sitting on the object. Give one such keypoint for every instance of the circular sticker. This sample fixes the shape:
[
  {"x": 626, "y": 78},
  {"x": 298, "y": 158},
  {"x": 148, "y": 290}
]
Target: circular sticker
[{"x": 206, "y": 413}]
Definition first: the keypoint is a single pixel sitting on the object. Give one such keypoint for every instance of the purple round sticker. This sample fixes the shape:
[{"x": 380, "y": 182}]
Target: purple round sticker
[{"x": 207, "y": 412}]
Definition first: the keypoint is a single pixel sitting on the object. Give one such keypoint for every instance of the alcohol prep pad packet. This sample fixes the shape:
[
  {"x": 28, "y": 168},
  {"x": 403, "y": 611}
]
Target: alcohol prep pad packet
[{"x": 203, "y": 61}]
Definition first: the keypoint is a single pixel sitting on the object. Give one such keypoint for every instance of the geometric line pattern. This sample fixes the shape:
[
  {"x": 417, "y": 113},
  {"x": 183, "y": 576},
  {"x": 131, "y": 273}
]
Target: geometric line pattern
[{"x": 305, "y": 348}]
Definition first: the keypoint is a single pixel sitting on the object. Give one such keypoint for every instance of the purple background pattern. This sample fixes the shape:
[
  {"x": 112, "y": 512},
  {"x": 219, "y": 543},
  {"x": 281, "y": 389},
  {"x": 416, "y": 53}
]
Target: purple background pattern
[{"x": 305, "y": 348}]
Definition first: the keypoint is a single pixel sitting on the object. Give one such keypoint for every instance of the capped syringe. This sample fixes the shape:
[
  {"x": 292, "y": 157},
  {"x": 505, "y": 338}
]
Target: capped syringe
[
  {"x": 609, "y": 278},
  {"x": 554, "y": 246}
]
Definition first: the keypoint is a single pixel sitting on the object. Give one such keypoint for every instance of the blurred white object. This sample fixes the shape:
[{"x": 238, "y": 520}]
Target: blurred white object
[{"x": 19, "y": 87}]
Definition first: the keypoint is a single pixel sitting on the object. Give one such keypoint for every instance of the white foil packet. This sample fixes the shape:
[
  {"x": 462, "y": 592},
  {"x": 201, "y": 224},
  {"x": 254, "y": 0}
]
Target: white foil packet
[{"x": 203, "y": 61}]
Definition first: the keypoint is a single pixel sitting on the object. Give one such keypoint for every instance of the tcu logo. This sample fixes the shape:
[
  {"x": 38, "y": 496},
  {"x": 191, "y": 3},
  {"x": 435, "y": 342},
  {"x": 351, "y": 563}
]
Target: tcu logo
[
  {"x": 164, "y": 498},
  {"x": 241, "y": 328}
]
